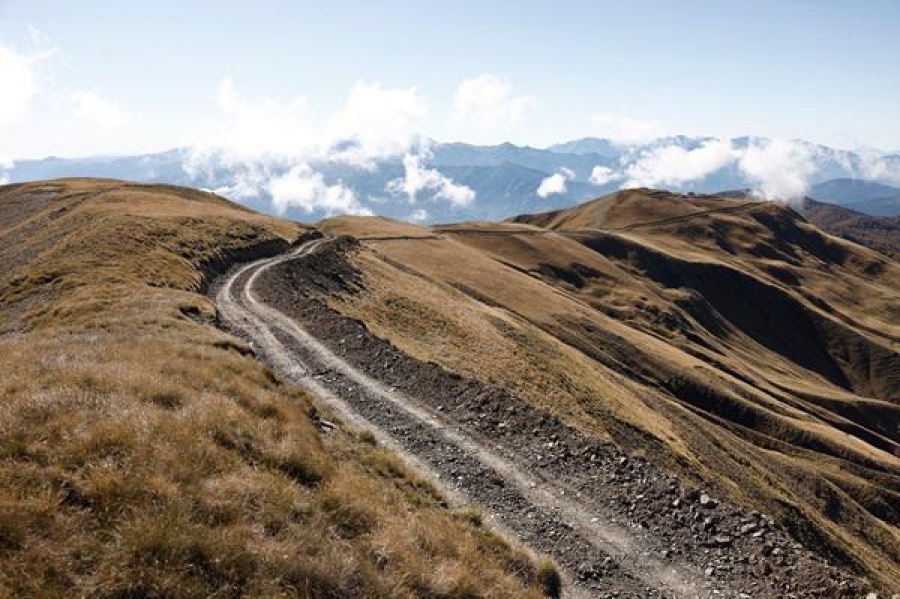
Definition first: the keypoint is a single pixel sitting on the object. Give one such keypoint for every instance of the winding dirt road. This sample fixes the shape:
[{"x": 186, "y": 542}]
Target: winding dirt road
[{"x": 526, "y": 503}]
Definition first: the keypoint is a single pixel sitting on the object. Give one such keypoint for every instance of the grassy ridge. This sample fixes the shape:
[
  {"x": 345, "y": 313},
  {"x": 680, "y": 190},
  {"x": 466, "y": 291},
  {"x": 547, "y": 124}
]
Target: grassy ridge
[
  {"x": 144, "y": 452},
  {"x": 732, "y": 341}
]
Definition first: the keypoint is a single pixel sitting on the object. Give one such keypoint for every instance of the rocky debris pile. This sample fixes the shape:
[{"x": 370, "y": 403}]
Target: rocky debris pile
[{"x": 741, "y": 548}]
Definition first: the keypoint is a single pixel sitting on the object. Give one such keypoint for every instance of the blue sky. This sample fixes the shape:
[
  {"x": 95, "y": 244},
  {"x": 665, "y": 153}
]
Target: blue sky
[{"x": 105, "y": 77}]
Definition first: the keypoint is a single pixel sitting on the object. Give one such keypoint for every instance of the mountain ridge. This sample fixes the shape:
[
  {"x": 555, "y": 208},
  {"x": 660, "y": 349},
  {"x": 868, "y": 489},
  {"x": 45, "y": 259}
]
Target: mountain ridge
[
  {"x": 726, "y": 339},
  {"x": 145, "y": 452},
  {"x": 249, "y": 180}
]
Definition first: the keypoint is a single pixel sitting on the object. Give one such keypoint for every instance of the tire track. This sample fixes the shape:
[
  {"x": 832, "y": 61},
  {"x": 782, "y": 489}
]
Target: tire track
[{"x": 521, "y": 502}]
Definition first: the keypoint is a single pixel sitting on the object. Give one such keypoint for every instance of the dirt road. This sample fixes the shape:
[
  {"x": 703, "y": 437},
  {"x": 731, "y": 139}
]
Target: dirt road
[{"x": 601, "y": 555}]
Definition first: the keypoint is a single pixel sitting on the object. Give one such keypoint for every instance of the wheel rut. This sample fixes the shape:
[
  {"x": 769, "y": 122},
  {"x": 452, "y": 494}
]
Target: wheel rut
[
  {"x": 551, "y": 510},
  {"x": 520, "y": 502}
]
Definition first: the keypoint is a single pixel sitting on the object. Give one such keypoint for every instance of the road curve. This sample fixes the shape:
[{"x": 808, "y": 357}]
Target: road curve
[{"x": 527, "y": 502}]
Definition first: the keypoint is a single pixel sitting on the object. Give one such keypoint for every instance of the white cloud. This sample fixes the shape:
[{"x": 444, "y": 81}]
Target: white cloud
[
  {"x": 674, "y": 165},
  {"x": 40, "y": 115},
  {"x": 419, "y": 215},
  {"x": 382, "y": 121},
  {"x": 266, "y": 144},
  {"x": 306, "y": 189},
  {"x": 555, "y": 183},
  {"x": 489, "y": 102},
  {"x": 19, "y": 81},
  {"x": 258, "y": 139},
  {"x": 94, "y": 109},
  {"x": 248, "y": 181},
  {"x": 601, "y": 175},
  {"x": 374, "y": 123},
  {"x": 779, "y": 169},
  {"x": 5, "y": 164},
  {"x": 879, "y": 167},
  {"x": 244, "y": 129},
  {"x": 625, "y": 129},
  {"x": 418, "y": 178}
]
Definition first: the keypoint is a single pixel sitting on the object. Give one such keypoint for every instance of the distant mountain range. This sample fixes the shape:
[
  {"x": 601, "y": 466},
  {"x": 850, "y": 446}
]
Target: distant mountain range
[
  {"x": 868, "y": 197},
  {"x": 505, "y": 179}
]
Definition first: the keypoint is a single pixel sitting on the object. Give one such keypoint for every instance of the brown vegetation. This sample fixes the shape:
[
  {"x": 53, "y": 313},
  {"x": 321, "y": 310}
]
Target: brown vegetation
[
  {"x": 143, "y": 452},
  {"x": 880, "y": 233},
  {"x": 731, "y": 341}
]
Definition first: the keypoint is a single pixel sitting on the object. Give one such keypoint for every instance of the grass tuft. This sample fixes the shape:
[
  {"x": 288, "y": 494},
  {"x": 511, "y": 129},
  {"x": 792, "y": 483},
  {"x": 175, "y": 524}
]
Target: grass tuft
[{"x": 549, "y": 578}]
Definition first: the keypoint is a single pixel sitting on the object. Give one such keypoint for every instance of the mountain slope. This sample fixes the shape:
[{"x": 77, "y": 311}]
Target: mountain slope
[
  {"x": 729, "y": 341},
  {"x": 145, "y": 453},
  {"x": 881, "y": 233},
  {"x": 867, "y": 197}
]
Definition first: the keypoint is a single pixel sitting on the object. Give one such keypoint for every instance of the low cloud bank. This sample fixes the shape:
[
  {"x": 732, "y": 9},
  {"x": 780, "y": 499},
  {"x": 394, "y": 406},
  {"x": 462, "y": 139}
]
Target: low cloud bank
[
  {"x": 773, "y": 169},
  {"x": 879, "y": 167},
  {"x": 780, "y": 169},
  {"x": 418, "y": 178},
  {"x": 601, "y": 175},
  {"x": 418, "y": 215},
  {"x": 674, "y": 165},
  {"x": 777, "y": 169},
  {"x": 269, "y": 147},
  {"x": 306, "y": 189},
  {"x": 5, "y": 164}
]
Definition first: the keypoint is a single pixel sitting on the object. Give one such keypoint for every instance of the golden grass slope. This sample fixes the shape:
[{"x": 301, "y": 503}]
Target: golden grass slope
[
  {"x": 731, "y": 340},
  {"x": 143, "y": 452}
]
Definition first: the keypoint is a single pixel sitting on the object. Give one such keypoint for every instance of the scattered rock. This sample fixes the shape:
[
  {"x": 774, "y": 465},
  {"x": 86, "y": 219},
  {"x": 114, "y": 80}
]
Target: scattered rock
[
  {"x": 708, "y": 502},
  {"x": 743, "y": 550}
]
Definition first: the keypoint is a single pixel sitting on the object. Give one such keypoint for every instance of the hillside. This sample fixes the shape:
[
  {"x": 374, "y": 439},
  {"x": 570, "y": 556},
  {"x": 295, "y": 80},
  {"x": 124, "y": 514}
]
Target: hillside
[
  {"x": 727, "y": 341},
  {"x": 881, "y": 233},
  {"x": 146, "y": 453}
]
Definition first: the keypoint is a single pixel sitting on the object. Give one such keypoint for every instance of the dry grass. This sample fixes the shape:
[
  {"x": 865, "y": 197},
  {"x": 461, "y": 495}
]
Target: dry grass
[
  {"x": 881, "y": 233},
  {"x": 145, "y": 453},
  {"x": 744, "y": 348}
]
